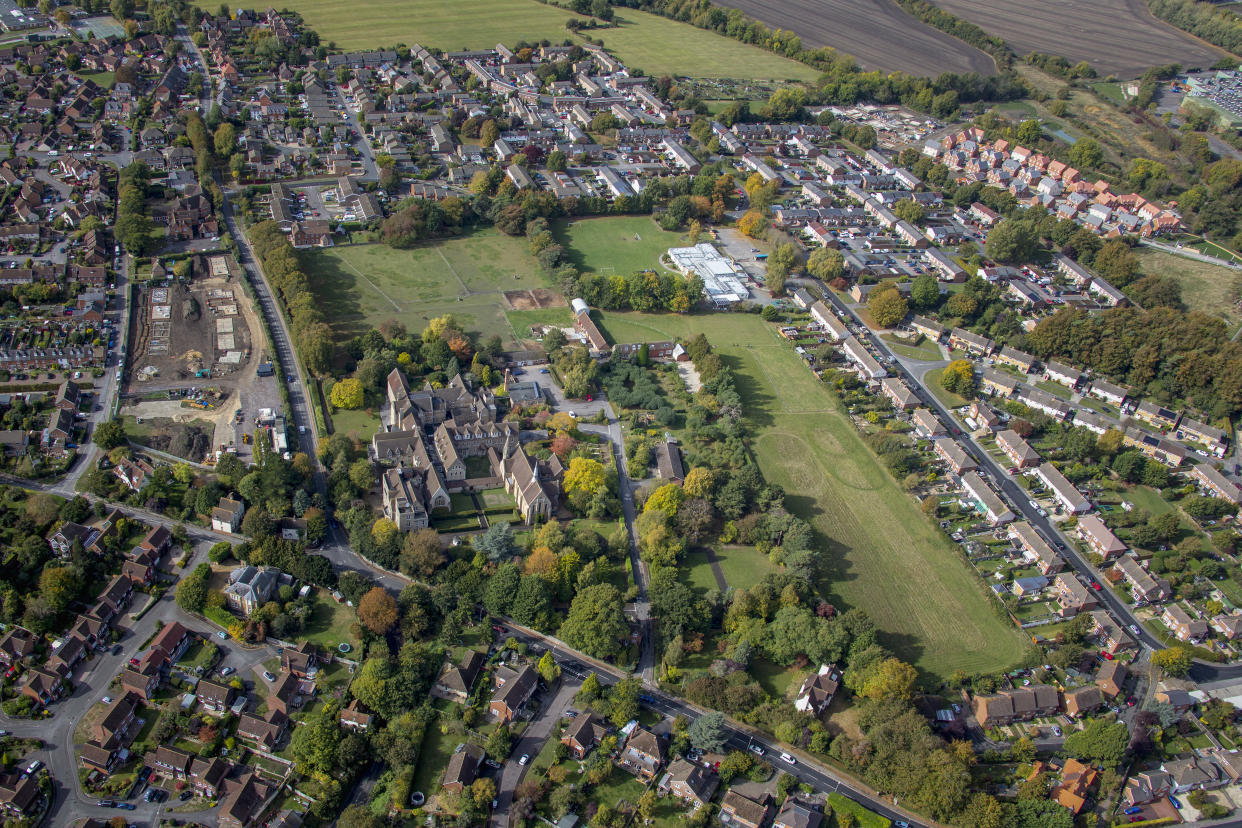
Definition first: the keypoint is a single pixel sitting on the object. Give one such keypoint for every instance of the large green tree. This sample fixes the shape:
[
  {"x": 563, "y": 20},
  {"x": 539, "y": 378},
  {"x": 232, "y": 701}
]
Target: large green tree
[{"x": 595, "y": 624}]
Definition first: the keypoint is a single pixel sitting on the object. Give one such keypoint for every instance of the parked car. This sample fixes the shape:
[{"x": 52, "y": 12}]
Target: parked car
[
  {"x": 116, "y": 649},
  {"x": 226, "y": 671},
  {"x": 125, "y": 806},
  {"x": 222, "y": 635},
  {"x": 525, "y": 758},
  {"x": 787, "y": 759},
  {"x": 757, "y": 749},
  {"x": 267, "y": 674}
]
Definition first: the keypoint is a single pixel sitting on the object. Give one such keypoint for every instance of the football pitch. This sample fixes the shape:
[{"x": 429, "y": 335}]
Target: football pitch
[{"x": 882, "y": 554}]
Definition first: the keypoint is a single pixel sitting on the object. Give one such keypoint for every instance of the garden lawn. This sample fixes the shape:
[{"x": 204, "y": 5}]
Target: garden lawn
[
  {"x": 616, "y": 244},
  {"x": 742, "y": 565},
  {"x": 436, "y": 750},
  {"x": 697, "y": 573},
  {"x": 932, "y": 380},
  {"x": 773, "y": 678},
  {"x": 925, "y": 350},
  {"x": 880, "y": 553},
  {"x": 367, "y": 284},
  {"x": 359, "y": 423},
  {"x": 656, "y": 45},
  {"x": 863, "y": 818},
  {"x": 331, "y": 623}
]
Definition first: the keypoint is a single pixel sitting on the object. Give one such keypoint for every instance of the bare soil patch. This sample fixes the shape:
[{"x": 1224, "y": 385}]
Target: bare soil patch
[
  {"x": 536, "y": 299},
  {"x": 878, "y": 33}
]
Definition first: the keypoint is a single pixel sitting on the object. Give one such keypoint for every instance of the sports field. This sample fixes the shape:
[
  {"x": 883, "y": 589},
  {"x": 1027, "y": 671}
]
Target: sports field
[
  {"x": 882, "y": 555},
  {"x": 367, "y": 284},
  {"x": 1211, "y": 288},
  {"x": 620, "y": 244},
  {"x": 655, "y": 44}
]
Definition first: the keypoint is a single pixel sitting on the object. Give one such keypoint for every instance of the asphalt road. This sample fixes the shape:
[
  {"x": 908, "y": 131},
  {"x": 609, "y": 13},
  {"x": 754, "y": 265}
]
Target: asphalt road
[{"x": 1017, "y": 498}]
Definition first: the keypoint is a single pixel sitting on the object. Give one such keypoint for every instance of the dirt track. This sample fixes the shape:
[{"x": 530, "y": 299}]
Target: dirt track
[
  {"x": 878, "y": 33},
  {"x": 1118, "y": 37}
]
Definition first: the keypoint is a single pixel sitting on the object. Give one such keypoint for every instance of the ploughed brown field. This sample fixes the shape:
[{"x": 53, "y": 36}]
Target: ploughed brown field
[
  {"x": 1115, "y": 36},
  {"x": 878, "y": 33}
]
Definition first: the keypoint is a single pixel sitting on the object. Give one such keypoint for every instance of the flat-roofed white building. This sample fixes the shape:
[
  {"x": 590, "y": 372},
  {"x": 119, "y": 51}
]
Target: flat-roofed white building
[{"x": 722, "y": 281}]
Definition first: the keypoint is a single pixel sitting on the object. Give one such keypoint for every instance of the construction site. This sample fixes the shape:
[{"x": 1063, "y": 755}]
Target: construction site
[{"x": 194, "y": 355}]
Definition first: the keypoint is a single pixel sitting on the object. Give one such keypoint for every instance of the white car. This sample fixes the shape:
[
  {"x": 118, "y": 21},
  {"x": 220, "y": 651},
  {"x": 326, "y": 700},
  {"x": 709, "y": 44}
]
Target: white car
[
  {"x": 787, "y": 759},
  {"x": 525, "y": 758}
]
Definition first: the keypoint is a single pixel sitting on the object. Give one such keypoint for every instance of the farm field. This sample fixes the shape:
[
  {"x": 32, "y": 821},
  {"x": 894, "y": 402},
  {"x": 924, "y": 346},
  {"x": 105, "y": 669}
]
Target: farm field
[
  {"x": 622, "y": 243},
  {"x": 878, "y": 33},
  {"x": 1079, "y": 30},
  {"x": 660, "y": 46},
  {"x": 1210, "y": 288},
  {"x": 467, "y": 276},
  {"x": 655, "y": 44},
  {"x": 882, "y": 555}
]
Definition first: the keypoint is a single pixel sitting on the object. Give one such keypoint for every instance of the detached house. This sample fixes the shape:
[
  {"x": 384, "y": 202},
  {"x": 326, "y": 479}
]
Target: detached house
[
  {"x": 692, "y": 783},
  {"x": 462, "y": 769},
  {"x": 583, "y": 734},
  {"x": 227, "y": 516},
  {"x": 264, "y": 732},
  {"x": 643, "y": 754},
  {"x": 513, "y": 689},
  {"x": 455, "y": 680},
  {"x": 818, "y": 690},
  {"x": 744, "y": 811}
]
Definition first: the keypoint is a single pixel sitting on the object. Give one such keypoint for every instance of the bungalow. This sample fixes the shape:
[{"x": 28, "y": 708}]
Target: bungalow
[
  {"x": 1018, "y": 450},
  {"x": 1035, "y": 549},
  {"x": 1193, "y": 773},
  {"x": 692, "y": 783},
  {"x": 1083, "y": 700},
  {"x": 583, "y": 734},
  {"x": 1215, "y": 484},
  {"x": 952, "y": 453},
  {"x": 513, "y": 689},
  {"x": 997, "y": 383},
  {"x": 1069, "y": 497},
  {"x": 902, "y": 398},
  {"x": 986, "y": 500},
  {"x": 643, "y": 754},
  {"x": 1182, "y": 625},
  {"x": 1018, "y": 704},
  {"x": 818, "y": 690},
  {"x": 1143, "y": 584},
  {"x": 355, "y": 718},
  {"x": 455, "y": 680},
  {"x": 214, "y": 696},
  {"x": 1111, "y": 678},
  {"x": 744, "y": 811},
  {"x": 973, "y": 344},
  {"x": 1099, "y": 537},
  {"x": 462, "y": 769},
  {"x": 927, "y": 424}
]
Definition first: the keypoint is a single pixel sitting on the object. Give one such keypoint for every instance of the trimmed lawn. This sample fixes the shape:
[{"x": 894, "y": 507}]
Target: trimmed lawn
[
  {"x": 359, "y": 423},
  {"x": 479, "y": 466},
  {"x": 862, "y": 817},
  {"x": 697, "y": 573},
  {"x": 620, "y": 244},
  {"x": 497, "y": 499},
  {"x": 773, "y": 678},
  {"x": 881, "y": 554},
  {"x": 945, "y": 396},
  {"x": 521, "y": 320},
  {"x": 330, "y": 624},
  {"x": 925, "y": 350},
  {"x": 434, "y": 755},
  {"x": 366, "y": 284},
  {"x": 656, "y": 45},
  {"x": 742, "y": 565},
  {"x": 1210, "y": 288}
]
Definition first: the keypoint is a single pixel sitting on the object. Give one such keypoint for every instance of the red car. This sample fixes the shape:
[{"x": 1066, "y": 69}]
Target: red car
[
  {"x": 1107, "y": 655},
  {"x": 1012, "y": 470},
  {"x": 1096, "y": 585}
]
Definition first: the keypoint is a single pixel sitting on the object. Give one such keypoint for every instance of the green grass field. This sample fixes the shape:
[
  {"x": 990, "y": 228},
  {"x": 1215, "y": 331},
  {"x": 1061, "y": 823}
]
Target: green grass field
[
  {"x": 367, "y": 284},
  {"x": 622, "y": 243},
  {"x": 357, "y": 423},
  {"x": 881, "y": 554},
  {"x": 1210, "y": 288},
  {"x": 655, "y": 44},
  {"x": 330, "y": 624}
]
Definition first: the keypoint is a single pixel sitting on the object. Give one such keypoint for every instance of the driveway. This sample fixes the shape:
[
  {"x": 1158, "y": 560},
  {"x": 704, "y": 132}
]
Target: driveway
[{"x": 532, "y": 740}]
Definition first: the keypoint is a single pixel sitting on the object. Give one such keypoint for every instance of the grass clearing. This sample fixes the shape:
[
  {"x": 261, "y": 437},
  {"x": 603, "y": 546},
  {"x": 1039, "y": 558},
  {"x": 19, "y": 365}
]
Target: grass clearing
[
  {"x": 620, "y": 245},
  {"x": 932, "y": 380},
  {"x": 1210, "y": 288},
  {"x": 880, "y": 552},
  {"x": 863, "y": 818},
  {"x": 742, "y": 565},
  {"x": 366, "y": 284},
  {"x": 926, "y": 350},
  {"x": 360, "y": 423},
  {"x": 655, "y": 44}
]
